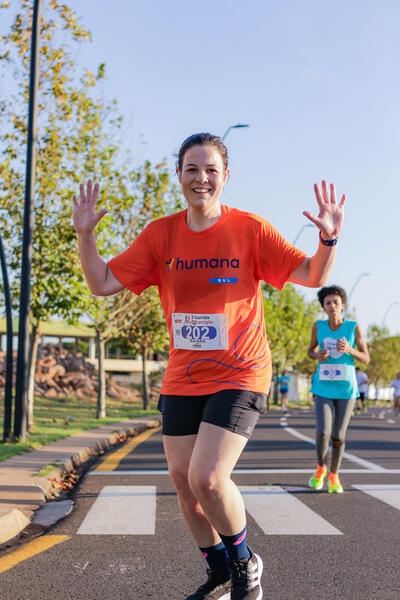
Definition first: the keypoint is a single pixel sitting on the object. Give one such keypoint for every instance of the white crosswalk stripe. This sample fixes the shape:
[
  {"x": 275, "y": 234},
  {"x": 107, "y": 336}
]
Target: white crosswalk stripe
[
  {"x": 122, "y": 510},
  {"x": 390, "y": 494},
  {"x": 131, "y": 510},
  {"x": 277, "y": 512}
]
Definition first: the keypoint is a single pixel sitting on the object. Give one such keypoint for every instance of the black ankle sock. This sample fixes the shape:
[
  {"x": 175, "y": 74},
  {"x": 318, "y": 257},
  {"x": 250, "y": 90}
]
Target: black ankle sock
[
  {"x": 218, "y": 561},
  {"x": 236, "y": 545}
]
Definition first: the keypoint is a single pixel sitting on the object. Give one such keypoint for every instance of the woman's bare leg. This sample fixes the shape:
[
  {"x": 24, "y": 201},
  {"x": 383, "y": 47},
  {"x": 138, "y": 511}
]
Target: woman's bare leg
[
  {"x": 200, "y": 467},
  {"x": 214, "y": 457},
  {"x": 178, "y": 450}
]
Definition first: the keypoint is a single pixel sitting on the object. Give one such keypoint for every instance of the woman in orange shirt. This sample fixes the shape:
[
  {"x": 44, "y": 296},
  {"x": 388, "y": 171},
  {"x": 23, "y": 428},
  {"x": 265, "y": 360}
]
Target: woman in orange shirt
[{"x": 208, "y": 262}]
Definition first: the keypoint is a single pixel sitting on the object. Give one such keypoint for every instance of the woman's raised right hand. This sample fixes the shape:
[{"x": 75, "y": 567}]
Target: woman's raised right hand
[{"x": 85, "y": 216}]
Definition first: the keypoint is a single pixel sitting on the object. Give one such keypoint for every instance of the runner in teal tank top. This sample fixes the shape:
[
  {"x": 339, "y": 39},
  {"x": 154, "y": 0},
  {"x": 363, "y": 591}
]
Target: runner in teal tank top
[
  {"x": 336, "y": 378},
  {"x": 334, "y": 384}
]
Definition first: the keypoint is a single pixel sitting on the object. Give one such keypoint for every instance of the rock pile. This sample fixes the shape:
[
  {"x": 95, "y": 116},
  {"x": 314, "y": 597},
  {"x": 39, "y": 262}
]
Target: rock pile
[{"x": 60, "y": 373}]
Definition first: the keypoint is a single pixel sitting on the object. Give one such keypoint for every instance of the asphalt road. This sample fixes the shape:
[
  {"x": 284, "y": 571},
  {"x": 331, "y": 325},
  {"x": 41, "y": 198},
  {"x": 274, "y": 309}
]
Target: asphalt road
[{"x": 314, "y": 545}]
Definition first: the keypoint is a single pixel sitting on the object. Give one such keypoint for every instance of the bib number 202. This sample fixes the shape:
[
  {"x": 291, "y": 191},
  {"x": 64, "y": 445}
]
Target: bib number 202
[{"x": 196, "y": 332}]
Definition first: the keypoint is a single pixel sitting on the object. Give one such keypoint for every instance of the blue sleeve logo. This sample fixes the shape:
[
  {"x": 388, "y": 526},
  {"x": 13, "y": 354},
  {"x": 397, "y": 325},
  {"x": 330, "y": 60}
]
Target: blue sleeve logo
[{"x": 224, "y": 279}]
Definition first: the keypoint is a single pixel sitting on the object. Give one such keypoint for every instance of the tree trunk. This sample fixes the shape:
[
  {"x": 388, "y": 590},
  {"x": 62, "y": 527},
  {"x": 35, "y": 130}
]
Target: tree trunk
[
  {"x": 101, "y": 377},
  {"x": 145, "y": 383},
  {"x": 33, "y": 348}
]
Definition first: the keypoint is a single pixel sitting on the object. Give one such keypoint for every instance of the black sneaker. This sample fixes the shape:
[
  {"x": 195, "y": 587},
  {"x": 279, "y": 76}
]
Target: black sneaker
[
  {"x": 212, "y": 589},
  {"x": 246, "y": 578}
]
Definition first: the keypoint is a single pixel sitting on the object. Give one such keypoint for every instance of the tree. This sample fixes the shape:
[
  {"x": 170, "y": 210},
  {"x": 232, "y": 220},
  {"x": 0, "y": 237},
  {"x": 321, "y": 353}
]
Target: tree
[
  {"x": 384, "y": 351},
  {"x": 76, "y": 138},
  {"x": 289, "y": 319},
  {"x": 141, "y": 319},
  {"x": 145, "y": 330}
]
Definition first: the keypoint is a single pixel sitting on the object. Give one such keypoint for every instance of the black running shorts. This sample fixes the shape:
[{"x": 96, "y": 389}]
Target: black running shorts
[{"x": 235, "y": 410}]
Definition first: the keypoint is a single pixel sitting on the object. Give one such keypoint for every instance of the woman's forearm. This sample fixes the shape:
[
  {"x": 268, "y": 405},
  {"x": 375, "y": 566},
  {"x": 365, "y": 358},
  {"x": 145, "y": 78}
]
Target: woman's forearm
[
  {"x": 314, "y": 271},
  {"x": 362, "y": 357},
  {"x": 321, "y": 264},
  {"x": 94, "y": 268}
]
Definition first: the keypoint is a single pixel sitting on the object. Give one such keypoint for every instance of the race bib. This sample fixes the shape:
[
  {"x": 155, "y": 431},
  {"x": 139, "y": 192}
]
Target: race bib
[
  {"x": 200, "y": 332},
  {"x": 332, "y": 372}
]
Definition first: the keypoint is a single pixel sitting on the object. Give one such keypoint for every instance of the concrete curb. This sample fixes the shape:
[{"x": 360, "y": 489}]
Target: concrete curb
[
  {"x": 33, "y": 491},
  {"x": 49, "y": 483},
  {"x": 11, "y": 525}
]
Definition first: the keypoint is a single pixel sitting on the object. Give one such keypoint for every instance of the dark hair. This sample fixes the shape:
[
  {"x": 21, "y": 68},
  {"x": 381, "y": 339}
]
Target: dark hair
[
  {"x": 201, "y": 139},
  {"x": 331, "y": 290}
]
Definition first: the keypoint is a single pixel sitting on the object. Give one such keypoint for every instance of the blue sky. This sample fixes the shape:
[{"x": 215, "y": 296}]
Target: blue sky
[{"x": 318, "y": 82}]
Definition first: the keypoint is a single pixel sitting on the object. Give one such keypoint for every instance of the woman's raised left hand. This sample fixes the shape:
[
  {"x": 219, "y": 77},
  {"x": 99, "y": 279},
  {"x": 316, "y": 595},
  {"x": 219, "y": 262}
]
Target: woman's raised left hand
[{"x": 331, "y": 214}]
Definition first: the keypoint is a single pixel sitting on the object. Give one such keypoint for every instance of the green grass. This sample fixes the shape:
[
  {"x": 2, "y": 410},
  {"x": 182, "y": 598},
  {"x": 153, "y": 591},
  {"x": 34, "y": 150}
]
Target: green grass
[
  {"x": 57, "y": 418},
  {"x": 47, "y": 469}
]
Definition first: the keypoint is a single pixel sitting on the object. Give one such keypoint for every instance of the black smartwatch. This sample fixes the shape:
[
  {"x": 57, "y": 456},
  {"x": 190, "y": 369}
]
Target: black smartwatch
[{"x": 327, "y": 242}]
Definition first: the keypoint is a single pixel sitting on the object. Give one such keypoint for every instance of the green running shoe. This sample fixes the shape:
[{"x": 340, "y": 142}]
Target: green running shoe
[
  {"x": 316, "y": 481},
  {"x": 334, "y": 485}
]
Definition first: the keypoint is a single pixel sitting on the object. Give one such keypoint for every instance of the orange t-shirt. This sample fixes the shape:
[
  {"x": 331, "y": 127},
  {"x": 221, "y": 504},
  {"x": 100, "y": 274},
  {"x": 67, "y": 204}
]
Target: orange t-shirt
[{"x": 209, "y": 286}]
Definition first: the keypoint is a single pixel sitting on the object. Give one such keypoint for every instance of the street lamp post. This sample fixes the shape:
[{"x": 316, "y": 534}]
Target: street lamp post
[
  {"x": 237, "y": 126},
  {"x": 301, "y": 230},
  {"x": 387, "y": 312},
  {"x": 25, "y": 288},
  {"x": 9, "y": 356},
  {"x": 276, "y": 395},
  {"x": 353, "y": 288}
]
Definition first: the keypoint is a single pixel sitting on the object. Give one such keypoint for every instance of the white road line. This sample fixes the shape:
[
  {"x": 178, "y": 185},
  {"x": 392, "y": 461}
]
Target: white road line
[
  {"x": 386, "y": 493},
  {"x": 365, "y": 463},
  {"x": 299, "y": 435},
  {"x": 277, "y": 512},
  {"x": 122, "y": 510},
  {"x": 240, "y": 471}
]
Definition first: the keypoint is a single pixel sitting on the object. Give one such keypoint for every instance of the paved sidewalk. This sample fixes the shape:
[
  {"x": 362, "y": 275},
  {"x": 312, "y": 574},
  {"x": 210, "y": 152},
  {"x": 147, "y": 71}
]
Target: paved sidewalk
[{"x": 22, "y": 491}]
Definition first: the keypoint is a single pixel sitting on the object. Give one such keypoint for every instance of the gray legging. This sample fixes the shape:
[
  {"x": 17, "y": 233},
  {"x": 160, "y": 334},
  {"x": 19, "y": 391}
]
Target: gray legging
[{"x": 332, "y": 419}]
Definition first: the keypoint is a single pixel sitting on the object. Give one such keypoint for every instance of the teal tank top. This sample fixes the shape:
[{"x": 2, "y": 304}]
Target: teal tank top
[{"x": 337, "y": 377}]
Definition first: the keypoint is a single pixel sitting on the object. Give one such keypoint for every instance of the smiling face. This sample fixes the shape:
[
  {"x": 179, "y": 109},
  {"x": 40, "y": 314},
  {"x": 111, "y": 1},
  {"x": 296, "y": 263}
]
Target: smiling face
[
  {"x": 333, "y": 305},
  {"x": 202, "y": 178}
]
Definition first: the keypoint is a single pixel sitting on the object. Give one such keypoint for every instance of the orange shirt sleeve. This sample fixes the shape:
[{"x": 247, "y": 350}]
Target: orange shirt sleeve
[
  {"x": 277, "y": 258},
  {"x": 136, "y": 267}
]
